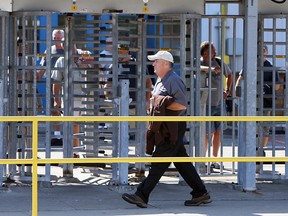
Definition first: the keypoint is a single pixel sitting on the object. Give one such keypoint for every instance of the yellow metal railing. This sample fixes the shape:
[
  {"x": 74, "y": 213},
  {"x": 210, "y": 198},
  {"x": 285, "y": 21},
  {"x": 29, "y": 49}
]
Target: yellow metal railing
[{"x": 35, "y": 161}]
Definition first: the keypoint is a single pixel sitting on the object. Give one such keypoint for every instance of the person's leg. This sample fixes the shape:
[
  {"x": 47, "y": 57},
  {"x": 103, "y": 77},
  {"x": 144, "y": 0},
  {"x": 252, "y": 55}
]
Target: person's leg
[
  {"x": 216, "y": 142},
  {"x": 155, "y": 173},
  {"x": 76, "y": 130},
  {"x": 216, "y": 139},
  {"x": 186, "y": 169},
  {"x": 265, "y": 141},
  {"x": 207, "y": 142},
  {"x": 190, "y": 175},
  {"x": 76, "y": 127},
  {"x": 156, "y": 170},
  {"x": 266, "y": 131}
]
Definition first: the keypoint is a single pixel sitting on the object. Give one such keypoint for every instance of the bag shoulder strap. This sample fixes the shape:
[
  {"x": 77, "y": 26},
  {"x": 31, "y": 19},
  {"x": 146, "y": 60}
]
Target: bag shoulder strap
[{"x": 218, "y": 60}]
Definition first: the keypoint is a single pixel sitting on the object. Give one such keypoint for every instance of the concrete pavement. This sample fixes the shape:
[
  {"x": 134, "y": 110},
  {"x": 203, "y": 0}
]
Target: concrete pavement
[{"x": 93, "y": 197}]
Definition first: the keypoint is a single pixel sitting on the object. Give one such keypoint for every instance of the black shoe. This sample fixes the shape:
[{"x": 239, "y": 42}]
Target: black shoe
[
  {"x": 204, "y": 199},
  {"x": 134, "y": 199},
  {"x": 56, "y": 142},
  {"x": 216, "y": 165}
]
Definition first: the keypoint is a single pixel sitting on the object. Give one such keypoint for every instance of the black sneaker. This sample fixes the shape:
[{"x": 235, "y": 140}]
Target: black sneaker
[
  {"x": 216, "y": 165},
  {"x": 204, "y": 199},
  {"x": 134, "y": 199}
]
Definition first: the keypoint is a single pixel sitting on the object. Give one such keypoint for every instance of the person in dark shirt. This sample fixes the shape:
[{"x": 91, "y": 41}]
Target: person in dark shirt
[
  {"x": 267, "y": 89},
  {"x": 128, "y": 70},
  {"x": 170, "y": 84}
]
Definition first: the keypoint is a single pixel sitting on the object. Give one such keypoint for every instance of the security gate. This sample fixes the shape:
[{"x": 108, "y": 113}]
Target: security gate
[
  {"x": 272, "y": 136},
  {"x": 4, "y": 19},
  {"x": 24, "y": 98},
  {"x": 92, "y": 67}
]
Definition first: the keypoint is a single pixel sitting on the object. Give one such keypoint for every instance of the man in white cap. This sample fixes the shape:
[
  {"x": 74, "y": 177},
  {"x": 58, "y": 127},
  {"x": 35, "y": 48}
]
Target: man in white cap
[{"x": 169, "y": 86}]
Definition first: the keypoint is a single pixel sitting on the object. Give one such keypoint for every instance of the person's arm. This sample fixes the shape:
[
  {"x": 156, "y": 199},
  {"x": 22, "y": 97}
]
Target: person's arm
[
  {"x": 56, "y": 88},
  {"x": 205, "y": 69},
  {"x": 107, "y": 93},
  {"x": 228, "y": 85},
  {"x": 56, "y": 92},
  {"x": 229, "y": 80},
  {"x": 240, "y": 77},
  {"x": 40, "y": 74},
  {"x": 277, "y": 85}
]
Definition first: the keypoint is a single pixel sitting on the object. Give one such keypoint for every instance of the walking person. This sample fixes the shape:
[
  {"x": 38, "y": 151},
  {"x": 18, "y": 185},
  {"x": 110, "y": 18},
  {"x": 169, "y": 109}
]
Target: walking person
[{"x": 168, "y": 98}]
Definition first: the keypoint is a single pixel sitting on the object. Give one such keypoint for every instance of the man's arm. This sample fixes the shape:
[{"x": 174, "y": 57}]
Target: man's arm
[
  {"x": 205, "y": 69},
  {"x": 57, "y": 102},
  {"x": 240, "y": 77},
  {"x": 227, "y": 92},
  {"x": 56, "y": 92},
  {"x": 40, "y": 74},
  {"x": 229, "y": 81}
]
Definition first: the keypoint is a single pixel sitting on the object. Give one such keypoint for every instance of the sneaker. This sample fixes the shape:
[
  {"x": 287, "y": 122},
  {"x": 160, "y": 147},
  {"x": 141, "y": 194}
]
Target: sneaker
[
  {"x": 134, "y": 199},
  {"x": 204, "y": 199},
  {"x": 216, "y": 165}
]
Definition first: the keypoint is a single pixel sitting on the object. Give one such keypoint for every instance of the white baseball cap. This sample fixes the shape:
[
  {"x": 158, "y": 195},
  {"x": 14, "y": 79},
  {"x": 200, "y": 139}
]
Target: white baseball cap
[{"x": 165, "y": 55}]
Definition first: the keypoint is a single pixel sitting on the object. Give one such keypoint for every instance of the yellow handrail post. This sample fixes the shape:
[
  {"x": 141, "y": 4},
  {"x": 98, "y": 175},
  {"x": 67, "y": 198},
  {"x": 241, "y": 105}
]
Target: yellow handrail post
[
  {"x": 35, "y": 161},
  {"x": 35, "y": 168}
]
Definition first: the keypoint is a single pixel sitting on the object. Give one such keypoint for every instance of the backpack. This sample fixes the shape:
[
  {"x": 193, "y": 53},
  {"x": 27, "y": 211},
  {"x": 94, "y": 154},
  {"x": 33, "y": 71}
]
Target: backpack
[
  {"x": 218, "y": 60},
  {"x": 228, "y": 101}
]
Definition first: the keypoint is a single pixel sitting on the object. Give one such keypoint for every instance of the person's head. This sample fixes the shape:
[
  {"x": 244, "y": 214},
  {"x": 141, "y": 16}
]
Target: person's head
[
  {"x": 58, "y": 35},
  {"x": 265, "y": 50},
  {"x": 163, "y": 62},
  {"x": 204, "y": 50},
  {"x": 123, "y": 51}
]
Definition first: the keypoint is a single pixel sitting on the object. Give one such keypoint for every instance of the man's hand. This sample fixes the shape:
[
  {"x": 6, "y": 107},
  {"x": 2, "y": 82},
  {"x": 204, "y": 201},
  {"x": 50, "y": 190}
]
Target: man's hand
[
  {"x": 216, "y": 69},
  {"x": 227, "y": 93}
]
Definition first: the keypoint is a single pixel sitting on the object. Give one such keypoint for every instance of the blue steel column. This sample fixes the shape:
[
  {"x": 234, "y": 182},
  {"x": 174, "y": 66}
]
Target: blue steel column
[
  {"x": 286, "y": 104},
  {"x": 67, "y": 126},
  {"x": 141, "y": 108},
  {"x": 3, "y": 88},
  {"x": 247, "y": 146},
  {"x": 1, "y": 128},
  {"x": 115, "y": 69},
  {"x": 123, "y": 131},
  {"x": 48, "y": 23}
]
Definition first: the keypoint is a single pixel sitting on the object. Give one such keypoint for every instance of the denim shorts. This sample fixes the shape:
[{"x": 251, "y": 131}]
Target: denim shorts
[{"x": 215, "y": 111}]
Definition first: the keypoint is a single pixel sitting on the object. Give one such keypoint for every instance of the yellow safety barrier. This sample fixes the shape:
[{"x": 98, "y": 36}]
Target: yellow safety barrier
[{"x": 35, "y": 161}]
